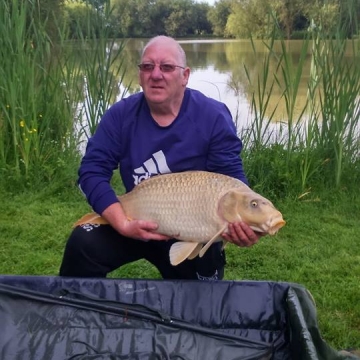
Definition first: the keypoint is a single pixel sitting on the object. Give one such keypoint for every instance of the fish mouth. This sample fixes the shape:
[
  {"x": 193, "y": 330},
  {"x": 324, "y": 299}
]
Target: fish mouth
[
  {"x": 276, "y": 226},
  {"x": 271, "y": 227}
]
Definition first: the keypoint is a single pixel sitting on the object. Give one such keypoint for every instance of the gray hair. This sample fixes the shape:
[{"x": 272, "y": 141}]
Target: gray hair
[{"x": 182, "y": 55}]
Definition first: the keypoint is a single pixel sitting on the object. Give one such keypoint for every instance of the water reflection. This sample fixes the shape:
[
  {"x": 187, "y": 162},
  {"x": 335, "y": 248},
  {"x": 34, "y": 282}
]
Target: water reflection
[
  {"x": 228, "y": 70},
  {"x": 231, "y": 71}
]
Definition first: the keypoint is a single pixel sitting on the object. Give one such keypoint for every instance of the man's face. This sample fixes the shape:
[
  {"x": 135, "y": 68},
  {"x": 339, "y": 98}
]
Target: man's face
[{"x": 163, "y": 87}]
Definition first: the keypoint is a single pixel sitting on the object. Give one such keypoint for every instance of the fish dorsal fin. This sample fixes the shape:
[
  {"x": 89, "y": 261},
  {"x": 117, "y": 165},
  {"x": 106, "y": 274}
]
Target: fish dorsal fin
[
  {"x": 211, "y": 241},
  {"x": 91, "y": 218},
  {"x": 181, "y": 250}
]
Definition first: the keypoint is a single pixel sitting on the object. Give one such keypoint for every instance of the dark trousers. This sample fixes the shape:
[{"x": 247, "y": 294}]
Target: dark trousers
[{"x": 96, "y": 250}]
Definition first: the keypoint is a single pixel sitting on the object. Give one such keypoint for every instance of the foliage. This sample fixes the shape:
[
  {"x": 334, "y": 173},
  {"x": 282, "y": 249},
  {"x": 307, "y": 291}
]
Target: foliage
[
  {"x": 35, "y": 117},
  {"x": 42, "y": 94},
  {"x": 318, "y": 144},
  {"x": 250, "y": 18},
  {"x": 218, "y": 16},
  {"x": 146, "y": 18},
  {"x": 325, "y": 15},
  {"x": 287, "y": 12},
  {"x": 78, "y": 14},
  {"x": 180, "y": 19},
  {"x": 253, "y": 18},
  {"x": 226, "y": 18}
]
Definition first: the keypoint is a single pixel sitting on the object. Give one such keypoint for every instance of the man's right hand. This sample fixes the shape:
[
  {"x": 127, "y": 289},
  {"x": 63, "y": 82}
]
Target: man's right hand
[
  {"x": 136, "y": 229},
  {"x": 142, "y": 230}
]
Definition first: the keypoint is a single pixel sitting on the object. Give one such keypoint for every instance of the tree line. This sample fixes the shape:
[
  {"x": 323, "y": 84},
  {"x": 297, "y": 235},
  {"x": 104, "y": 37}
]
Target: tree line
[
  {"x": 188, "y": 18},
  {"x": 226, "y": 18}
]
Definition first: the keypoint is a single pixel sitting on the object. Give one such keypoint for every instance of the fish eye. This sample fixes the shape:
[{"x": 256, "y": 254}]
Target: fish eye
[{"x": 254, "y": 203}]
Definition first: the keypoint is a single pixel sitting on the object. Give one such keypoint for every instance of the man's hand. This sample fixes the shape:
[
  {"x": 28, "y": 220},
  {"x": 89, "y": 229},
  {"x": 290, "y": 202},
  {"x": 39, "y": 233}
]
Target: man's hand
[
  {"x": 142, "y": 230},
  {"x": 136, "y": 229},
  {"x": 241, "y": 234}
]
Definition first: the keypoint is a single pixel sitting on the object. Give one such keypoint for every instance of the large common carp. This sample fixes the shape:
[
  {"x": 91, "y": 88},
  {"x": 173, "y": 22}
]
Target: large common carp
[{"x": 195, "y": 207}]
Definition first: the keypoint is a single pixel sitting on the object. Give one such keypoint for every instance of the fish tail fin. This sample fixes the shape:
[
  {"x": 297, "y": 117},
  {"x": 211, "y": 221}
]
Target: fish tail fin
[{"x": 91, "y": 218}]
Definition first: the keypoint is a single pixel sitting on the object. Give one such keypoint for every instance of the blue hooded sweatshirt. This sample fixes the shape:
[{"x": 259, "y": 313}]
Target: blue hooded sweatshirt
[{"x": 202, "y": 137}]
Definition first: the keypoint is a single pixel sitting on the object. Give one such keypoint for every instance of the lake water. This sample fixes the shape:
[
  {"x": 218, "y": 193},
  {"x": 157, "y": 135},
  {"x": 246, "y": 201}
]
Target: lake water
[
  {"x": 217, "y": 70},
  {"x": 231, "y": 71},
  {"x": 228, "y": 70}
]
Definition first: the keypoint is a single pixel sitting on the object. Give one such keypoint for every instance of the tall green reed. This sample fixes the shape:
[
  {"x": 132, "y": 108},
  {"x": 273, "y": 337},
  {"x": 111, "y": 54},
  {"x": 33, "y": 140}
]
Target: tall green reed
[
  {"x": 45, "y": 85},
  {"x": 34, "y": 122},
  {"x": 14, "y": 53},
  {"x": 317, "y": 144},
  {"x": 289, "y": 79},
  {"x": 103, "y": 68},
  {"x": 339, "y": 90},
  {"x": 258, "y": 133}
]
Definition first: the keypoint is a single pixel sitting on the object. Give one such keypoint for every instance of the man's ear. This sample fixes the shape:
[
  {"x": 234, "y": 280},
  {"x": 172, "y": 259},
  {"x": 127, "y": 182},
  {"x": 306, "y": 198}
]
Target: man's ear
[{"x": 186, "y": 75}]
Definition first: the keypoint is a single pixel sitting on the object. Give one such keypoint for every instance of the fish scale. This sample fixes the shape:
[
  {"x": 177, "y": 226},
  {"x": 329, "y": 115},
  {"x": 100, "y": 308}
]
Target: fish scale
[{"x": 180, "y": 205}]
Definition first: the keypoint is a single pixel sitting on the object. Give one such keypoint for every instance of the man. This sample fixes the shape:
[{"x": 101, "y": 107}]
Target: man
[{"x": 166, "y": 128}]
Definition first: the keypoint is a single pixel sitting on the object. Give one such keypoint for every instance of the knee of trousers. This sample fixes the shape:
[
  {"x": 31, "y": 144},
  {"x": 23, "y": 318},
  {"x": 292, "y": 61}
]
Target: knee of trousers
[{"x": 83, "y": 240}]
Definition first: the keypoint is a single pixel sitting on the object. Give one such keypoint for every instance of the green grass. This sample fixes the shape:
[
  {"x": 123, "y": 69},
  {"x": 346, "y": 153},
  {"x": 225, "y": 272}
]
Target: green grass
[{"x": 318, "y": 248}]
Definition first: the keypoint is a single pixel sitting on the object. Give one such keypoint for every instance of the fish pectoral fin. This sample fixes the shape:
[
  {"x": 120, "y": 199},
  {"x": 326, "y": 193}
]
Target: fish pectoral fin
[
  {"x": 211, "y": 241},
  {"x": 196, "y": 251},
  {"x": 91, "y": 218},
  {"x": 181, "y": 250}
]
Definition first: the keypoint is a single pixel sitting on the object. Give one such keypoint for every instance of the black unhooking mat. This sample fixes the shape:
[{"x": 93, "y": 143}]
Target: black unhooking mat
[{"x": 70, "y": 318}]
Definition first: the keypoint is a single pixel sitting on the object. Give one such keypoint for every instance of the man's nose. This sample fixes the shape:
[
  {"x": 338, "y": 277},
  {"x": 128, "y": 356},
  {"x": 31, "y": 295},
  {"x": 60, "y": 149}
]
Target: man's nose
[{"x": 156, "y": 73}]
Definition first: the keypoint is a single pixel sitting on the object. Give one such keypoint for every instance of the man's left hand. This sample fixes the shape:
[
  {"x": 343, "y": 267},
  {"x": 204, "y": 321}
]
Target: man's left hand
[{"x": 241, "y": 234}]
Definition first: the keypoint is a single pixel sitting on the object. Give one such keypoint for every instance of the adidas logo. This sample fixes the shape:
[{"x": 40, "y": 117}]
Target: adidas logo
[{"x": 155, "y": 165}]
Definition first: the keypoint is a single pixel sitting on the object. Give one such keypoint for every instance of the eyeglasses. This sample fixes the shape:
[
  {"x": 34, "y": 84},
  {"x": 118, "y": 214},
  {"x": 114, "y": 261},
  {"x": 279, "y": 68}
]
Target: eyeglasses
[{"x": 166, "y": 68}]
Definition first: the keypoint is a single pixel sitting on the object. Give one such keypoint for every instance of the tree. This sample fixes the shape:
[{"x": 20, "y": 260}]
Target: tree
[
  {"x": 218, "y": 16},
  {"x": 181, "y": 19},
  {"x": 202, "y": 24},
  {"x": 250, "y": 18},
  {"x": 126, "y": 17},
  {"x": 137, "y": 18},
  {"x": 287, "y": 11},
  {"x": 77, "y": 15},
  {"x": 324, "y": 14},
  {"x": 159, "y": 11}
]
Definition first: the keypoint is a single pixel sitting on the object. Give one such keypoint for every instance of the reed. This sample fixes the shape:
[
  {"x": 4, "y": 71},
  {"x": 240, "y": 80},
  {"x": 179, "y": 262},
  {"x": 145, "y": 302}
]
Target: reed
[
  {"x": 103, "y": 68},
  {"x": 258, "y": 135},
  {"x": 317, "y": 145},
  {"x": 339, "y": 102},
  {"x": 50, "y": 92},
  {"x": 34, "y": 113}
]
